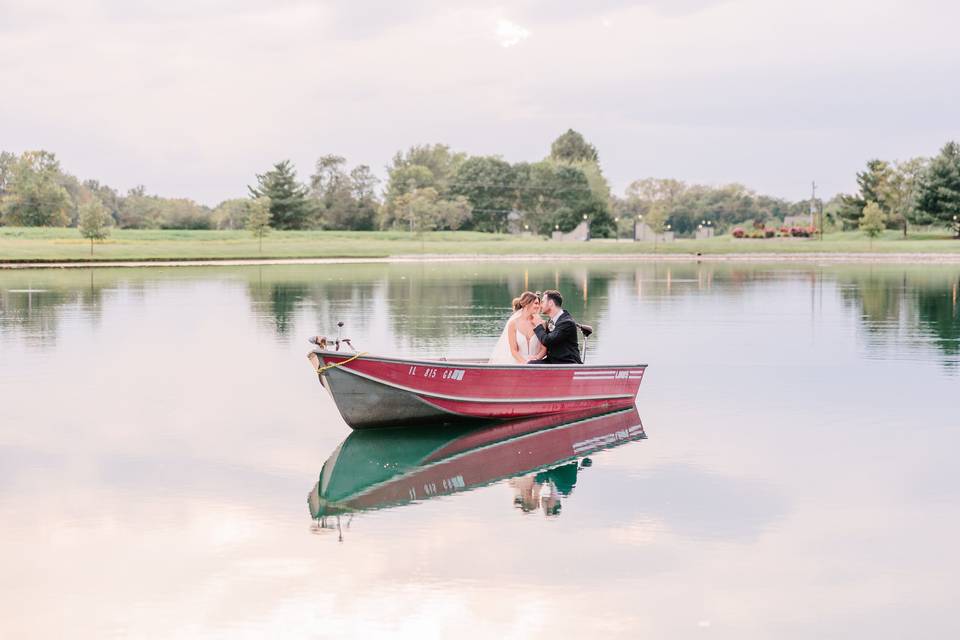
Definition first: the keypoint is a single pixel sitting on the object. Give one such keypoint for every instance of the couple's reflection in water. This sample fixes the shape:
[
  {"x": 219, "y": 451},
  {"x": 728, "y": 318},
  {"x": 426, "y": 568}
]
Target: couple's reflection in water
[
  {"x": 547, "y": 489},
  {"x": 540, "y": 458}
]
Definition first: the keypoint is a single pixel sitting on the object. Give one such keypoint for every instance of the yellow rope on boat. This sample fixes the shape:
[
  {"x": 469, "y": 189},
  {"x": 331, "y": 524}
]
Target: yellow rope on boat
[{"x": 327, "y": 367}]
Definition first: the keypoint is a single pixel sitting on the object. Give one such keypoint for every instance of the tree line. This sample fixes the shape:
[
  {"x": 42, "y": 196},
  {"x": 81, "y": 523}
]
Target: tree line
[
  {"x": 895, "y": 195},
  {"x": 433, "y": 187}
]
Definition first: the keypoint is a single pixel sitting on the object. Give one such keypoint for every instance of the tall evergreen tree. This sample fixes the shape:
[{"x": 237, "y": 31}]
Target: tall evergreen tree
[
  {"x": 290, "y": 206},
  {"x": 940, "y": 190},
  {"x": 873, "y": 184}
]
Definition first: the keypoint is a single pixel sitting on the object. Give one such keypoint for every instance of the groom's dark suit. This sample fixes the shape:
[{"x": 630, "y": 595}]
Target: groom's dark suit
[{"x": 561, "y": 341}]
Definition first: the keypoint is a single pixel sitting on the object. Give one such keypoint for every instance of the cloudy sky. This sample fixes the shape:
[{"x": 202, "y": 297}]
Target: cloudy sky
[{"x": 192, "y": 97}]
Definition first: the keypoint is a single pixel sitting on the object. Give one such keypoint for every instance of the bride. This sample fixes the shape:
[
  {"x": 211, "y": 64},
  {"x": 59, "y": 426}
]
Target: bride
[{"x": 518, "y": 343}]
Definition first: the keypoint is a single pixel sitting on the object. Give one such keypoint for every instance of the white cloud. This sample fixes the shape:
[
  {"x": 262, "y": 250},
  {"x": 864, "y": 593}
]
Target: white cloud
[{"x": 510, "y": 33}]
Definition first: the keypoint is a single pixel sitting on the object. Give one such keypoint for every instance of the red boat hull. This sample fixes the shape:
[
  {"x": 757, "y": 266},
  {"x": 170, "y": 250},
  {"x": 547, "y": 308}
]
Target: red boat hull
[{"x": 373, "y": 391}]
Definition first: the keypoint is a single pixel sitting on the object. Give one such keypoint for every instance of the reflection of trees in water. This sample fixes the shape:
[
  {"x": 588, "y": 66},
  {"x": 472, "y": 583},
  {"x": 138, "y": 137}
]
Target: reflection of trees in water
[
  {"x": 33, "y": 303},
  {"x": 278, "y": 294},
  {"x": 440, "y": 304},
  {"x": 279, "y": 301},
  {"x": 430, "y": 305},
  {"x": 940, "y": 317},
  {"x": 877, "y": 296},
  {"x": 907, "y": 305}
]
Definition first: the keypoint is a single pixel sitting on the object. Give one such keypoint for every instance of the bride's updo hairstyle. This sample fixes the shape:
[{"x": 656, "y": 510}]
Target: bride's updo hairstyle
[{"x": 525, "y": 298}]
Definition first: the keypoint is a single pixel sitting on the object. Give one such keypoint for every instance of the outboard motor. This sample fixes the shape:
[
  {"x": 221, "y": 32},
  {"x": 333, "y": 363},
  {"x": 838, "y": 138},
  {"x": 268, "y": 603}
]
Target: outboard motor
[{"x": 587, "y": 331}]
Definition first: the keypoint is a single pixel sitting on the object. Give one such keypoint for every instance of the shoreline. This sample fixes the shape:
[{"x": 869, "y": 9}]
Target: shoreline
[{"x": 838, "y": 258}]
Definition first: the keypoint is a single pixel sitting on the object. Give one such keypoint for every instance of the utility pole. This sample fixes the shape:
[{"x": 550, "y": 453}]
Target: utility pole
[
  {"x": 816, "y": 210},
  {"x": 813, "y": 201}
]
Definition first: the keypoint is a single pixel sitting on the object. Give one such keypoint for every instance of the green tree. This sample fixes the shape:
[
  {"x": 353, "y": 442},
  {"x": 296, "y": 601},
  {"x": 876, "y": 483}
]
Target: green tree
[
  {"x": 290, "y": 206},
  {"x": 7, "y": 162},
  {"x": 572, "y": 147},
  {"x": 425, "y": 210},
  {"x": 331, "y": 189},
  {"x": 656, "y": 218},
  {"x": 107, "y": 195},
  {"x": 76, "y": 195},
  {"x": 428, "y": 169},
  {"x": 939, "y": 199},
  {"x": 558, "y": 196},
  {"x": 344, "y": 200},
  {"x": 94, "y": 221},
  {"x": 873, "y": 221},
  {"x": 422, "y": 166},
  {"x": 183, "y": 213},
  {"x": 140, "y": 211},
  {"x": 488, "y": 183},
  {"x": 258, "y": 220},
  {"x": 231, "y": 214},
  {"x": 363, "y": 186},
  {"x": 900, "y": 192},
  {"x": 33, "y": 195},
  {"x": 873, "y": 186},
  {"x": 688, "y": 206}
]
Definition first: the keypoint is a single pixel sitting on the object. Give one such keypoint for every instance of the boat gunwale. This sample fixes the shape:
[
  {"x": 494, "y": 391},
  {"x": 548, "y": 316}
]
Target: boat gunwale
[{"x": 472, "y": 364}]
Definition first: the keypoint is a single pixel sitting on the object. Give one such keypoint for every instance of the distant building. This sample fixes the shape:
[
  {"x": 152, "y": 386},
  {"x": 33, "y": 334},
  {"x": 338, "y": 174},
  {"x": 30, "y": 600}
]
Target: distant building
[
  {"x": 802, "y": 220},
  {"x": 580, "y": 234},
  {"x": 643, "y": 233}
]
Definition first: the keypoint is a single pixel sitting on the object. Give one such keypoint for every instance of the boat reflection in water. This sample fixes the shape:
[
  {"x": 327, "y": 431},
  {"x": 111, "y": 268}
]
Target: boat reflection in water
[{"x": 540, "y": 456}]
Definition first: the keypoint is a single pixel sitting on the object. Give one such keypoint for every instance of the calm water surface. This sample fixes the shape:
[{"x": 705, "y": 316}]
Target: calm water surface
[{"x": 164, "y": 446}]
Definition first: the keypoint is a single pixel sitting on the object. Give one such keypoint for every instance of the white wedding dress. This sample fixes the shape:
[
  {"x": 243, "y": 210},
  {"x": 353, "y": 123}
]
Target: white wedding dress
[{"x": 528, "y": 348}]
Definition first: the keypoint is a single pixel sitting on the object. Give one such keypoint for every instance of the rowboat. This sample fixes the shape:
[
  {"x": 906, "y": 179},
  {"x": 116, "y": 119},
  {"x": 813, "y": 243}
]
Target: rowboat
[
  {"x": 373, "y": 391},
  {"x": 378, "y": 469}
]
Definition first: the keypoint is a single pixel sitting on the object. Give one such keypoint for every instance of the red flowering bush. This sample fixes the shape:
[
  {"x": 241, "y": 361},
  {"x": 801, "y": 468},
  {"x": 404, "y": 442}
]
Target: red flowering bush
[{"x": 738, "y": 233}]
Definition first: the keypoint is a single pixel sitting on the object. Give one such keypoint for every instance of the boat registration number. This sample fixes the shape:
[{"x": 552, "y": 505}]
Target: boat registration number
[{"x": 435, "y": 372}]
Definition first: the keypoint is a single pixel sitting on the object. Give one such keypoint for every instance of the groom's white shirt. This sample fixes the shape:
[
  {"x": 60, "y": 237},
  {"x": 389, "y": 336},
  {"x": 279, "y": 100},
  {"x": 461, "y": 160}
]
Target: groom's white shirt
[{"x": 555, "y": 316}]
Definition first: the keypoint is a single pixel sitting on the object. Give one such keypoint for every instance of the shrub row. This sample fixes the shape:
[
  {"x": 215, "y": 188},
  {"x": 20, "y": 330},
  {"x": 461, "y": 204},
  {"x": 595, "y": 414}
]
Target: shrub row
[{"x": 783, "y": 232}]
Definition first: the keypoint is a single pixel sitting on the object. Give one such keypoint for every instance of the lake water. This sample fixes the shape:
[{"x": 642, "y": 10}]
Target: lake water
[{"x": 161, "y": 431}]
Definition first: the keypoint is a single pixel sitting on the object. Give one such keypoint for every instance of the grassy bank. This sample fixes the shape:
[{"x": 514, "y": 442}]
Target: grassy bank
[{"x": 66, "y": 245}]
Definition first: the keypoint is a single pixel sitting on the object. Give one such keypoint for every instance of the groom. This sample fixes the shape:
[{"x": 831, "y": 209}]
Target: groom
[{"x": 561, "y": 339}]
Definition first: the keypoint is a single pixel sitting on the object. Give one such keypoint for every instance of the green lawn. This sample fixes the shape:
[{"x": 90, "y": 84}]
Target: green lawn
[{"x": 58, "y": 244}]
